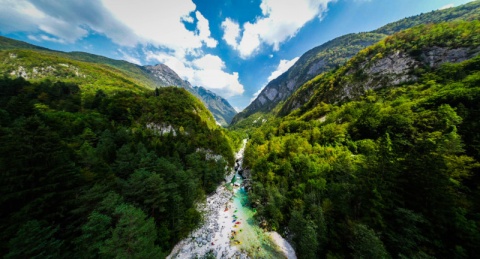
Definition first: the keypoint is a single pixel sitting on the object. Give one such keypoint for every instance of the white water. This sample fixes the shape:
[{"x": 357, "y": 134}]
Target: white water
[{"x": 221, "y": 235}]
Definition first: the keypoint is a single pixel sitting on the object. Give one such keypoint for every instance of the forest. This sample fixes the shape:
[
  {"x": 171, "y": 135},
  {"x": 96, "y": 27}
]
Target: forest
[
  {"x": 98, "y": 175},
  {"x": 97, "y": 163},
  {"x": 390, "y": 173}
]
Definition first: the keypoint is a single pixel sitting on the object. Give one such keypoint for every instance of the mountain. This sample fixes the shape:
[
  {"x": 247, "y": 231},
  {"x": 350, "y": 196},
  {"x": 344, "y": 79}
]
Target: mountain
[
  {"x": 7, "y": 43},
  {"x": 96, "y": 162},
  {"x": 336, "y": 52},
  {"x": 381, "y": 159},
  {"x": 222, "y": 111},
  {"x": 148, "y": 76},
  {"x": 165, "y": 76}
]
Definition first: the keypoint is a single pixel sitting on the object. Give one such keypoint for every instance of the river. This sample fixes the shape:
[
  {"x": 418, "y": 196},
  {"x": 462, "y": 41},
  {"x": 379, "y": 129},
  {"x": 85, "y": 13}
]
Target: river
[{"x": 228, "y": 229}]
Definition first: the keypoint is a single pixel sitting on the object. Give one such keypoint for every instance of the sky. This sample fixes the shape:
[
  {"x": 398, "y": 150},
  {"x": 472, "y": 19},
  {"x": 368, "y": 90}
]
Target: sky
[{"x": 231, "y": 47}]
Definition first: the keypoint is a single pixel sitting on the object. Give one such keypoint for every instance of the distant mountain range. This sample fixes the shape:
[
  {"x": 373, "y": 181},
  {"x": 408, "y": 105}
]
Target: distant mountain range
[
  {"x": 337, "y": 52},
  {"x": 149, "y": 76}
]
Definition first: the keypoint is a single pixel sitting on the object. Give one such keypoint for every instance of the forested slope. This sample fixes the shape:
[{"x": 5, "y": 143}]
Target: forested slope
[
  {"x": 368, "y": 168},
  {"x": 94, "y": 164},
  {"x": 335, "y": 53},
  {"x": 147, "y": 76}
]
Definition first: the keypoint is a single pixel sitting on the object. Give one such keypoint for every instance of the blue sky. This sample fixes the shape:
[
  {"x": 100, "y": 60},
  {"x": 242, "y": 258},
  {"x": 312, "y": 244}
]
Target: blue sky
[{"x": 232, "y": 47}]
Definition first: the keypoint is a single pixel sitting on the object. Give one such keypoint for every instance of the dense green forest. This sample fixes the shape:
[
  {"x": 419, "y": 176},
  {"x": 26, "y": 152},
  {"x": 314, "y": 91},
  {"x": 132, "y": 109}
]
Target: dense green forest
[
  {"x": 95, "y": 163},
  {"x": 114, "y": 174},
  {"x": 392, "y": 172}
]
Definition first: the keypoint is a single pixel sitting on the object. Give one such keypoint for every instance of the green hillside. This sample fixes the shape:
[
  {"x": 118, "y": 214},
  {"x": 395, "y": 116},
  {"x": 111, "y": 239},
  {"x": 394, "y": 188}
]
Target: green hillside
[
  {"x": 413, "y": 45},
  {"x": 336, "y": 52},
  {"x": 388, "y": 172},
  {"x": 368, "y": 147},
  {"x": 144, "y": 76},
  {"x": 94, "y": 164},
  {"x": 6, "y": 43}
]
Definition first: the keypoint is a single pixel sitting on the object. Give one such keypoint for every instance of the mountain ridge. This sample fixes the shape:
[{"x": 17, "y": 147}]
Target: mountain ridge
[
  {"x": 149, "y": 76},
  {"x": 384, "y": 147},
  {"x": 221, "y": 109},
  {"x": 332, "y": 54}
]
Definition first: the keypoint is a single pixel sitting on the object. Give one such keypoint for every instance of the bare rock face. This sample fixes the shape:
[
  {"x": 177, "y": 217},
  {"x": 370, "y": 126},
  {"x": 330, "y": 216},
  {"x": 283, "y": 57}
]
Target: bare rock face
[
  {"x": 397, "y": 63},
  {"x": 271, "y": 93},
  {"x": 398, "y": 68},
  {"x": 436, "y": 56},
  {"x": 316, "y": 67},
  {"x": 167, "y": 77}
]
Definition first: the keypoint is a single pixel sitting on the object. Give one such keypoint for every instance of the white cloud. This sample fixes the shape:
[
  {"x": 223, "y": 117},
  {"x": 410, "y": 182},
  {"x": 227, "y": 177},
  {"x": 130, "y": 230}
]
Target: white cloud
[
  {"x": 231, "y": 31},
  {"x": 209, "y": 62},
  {"x": 128, "y": 57},
  {"x": 280, "y": 21},
  {"x": 237, "y": 109},
  {"x": 446, "y": 6},
  {"x": 33, "y": 37},
  {"x": 52, "y": 39},
  {"x": 207, "y": 71},
  {"x": 21, "y": 15},
  {"x": 125, "y": 22},
  {"x": 283, "y": 66},
  {"x": 161, "y": 23},
  {"x": 204, "y": 31}
]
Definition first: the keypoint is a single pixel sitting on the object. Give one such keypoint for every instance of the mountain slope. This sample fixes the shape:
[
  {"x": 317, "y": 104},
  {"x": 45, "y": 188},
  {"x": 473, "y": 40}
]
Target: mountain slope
[
  {"x": 383, "y": 159},
  {"x": 95, "y": 163},
  {"x": 396, "y": 60},
  {"x": 315, "y": 61},
  {"x": 222, "y": 111},
  {"x": 147, "y": 76},
  {"x": 338, "y": 51},
  {"x": 165, "y": 76}
]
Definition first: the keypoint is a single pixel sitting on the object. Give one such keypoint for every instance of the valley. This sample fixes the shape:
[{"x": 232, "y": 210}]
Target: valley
[{"x": 366, "y": 147}]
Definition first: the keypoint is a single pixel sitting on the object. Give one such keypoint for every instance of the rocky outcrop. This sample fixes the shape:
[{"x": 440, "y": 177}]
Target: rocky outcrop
[
  {"x": 398, "y": 68},
  {"x": 394, "y": 69},
  {"x": 165, "y": 76},
  {"x": 436, "y": 56},
  {"x": 56, "y": 70}
]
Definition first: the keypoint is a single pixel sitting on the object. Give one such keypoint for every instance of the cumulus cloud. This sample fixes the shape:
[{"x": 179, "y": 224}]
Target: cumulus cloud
[
  {"x": 22, "y": 15},
  {"x": 231, "y": 31},
  {"x": 279, "y": 22},
  {"x": 283, "y": 66},
  {"x": 129, "y": 57},
  {"x": 207, "y": 71},
  {"x": 125, "y": 22},
  {"x": 204, "y": 31},
  {"x": 161, "y": 23}
]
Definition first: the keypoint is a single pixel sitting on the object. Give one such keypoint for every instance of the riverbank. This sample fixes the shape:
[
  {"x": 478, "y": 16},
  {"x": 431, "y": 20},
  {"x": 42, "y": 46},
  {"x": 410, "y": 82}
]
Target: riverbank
[{"x": 228, "y": 230}]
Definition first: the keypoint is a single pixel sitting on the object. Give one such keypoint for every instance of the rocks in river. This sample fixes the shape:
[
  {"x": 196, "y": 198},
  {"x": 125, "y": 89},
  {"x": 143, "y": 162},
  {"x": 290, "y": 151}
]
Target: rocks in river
[{"x": 210, "y": 237}]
